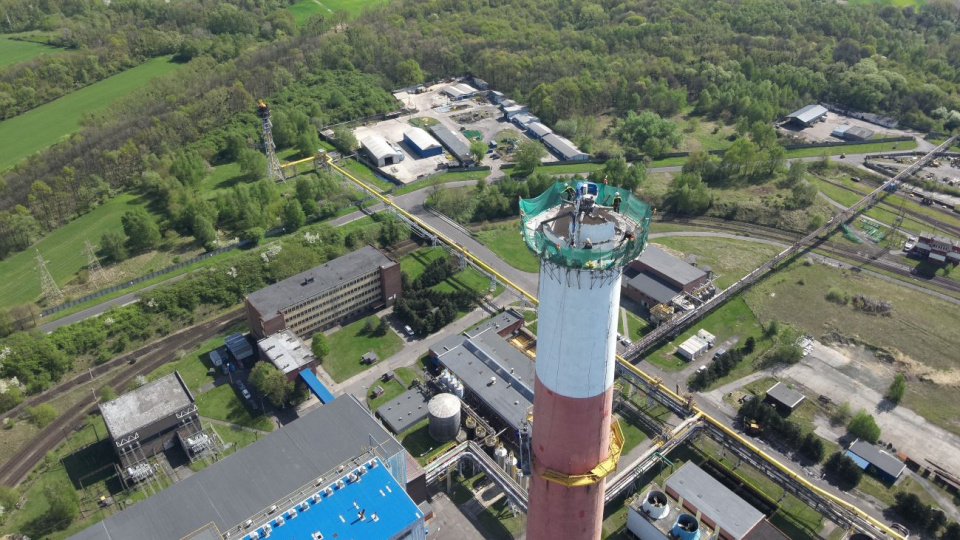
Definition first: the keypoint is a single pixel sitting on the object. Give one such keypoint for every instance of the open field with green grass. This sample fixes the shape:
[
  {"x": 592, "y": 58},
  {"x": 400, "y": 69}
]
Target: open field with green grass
[
  {"x": 504, "y": 239},
  {"x": 414, "y": 263},
  {"x": 442, "y": 178},
  {"x": 14, "y": 51},
  {"x": 636, "y": 326},
  {"x": 194, "y": 366},
  {"x": 62, "y": 249},
  {"x": 349, "y": 343},
  {"x": 352, "y": 7},
  {"x": 865, "y": 148},
  {"x": 367, "y": 176},
  {"x": 43, "y": 126},
  {"x": 733, "y": 318},
  {"x": 730, "y": 259},
  {"x": 225, "y": 403},
  {"x": 420, "y": 444},
  {"x": 898, "y": 3},
  {"x": 304, "y": 9},
  {"x": 391, "y": 389}
]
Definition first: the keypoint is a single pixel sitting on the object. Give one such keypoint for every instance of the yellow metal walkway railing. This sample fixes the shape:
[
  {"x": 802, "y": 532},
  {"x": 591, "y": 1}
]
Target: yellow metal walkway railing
[{"x": 597, "y": 473}]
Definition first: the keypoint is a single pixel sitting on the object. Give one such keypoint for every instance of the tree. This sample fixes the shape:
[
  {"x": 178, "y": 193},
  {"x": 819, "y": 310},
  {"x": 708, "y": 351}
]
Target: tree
[
  {"x": 320, "y": 346},
  {"x": 272, "y": 382},
  {"x": 343, "y": 140},
  {"x": 864, "y": 426},
  {"x": 749, "y": 345},
  {"x": 308, "y": 143},
  {"x": 648, "y": 133},
  {"x": 10, "y": 399},
  {"x": 293, "y": 215},
  {"x": 841, "y": 414},
  {"x": 42, "y": 414},
  {"x": 253, "y": 164},
  {"x": 478, "y": 150},
  {"x": 795, "y": 173},
  {"x": 113, "y": 246},
  {"x": 952, "y": 532},
  {"x": 141, "y": 230},
  {"x": 689, "y": 195},
  {"x": 8, "y": 498},
  {"x": 847, "y": 472},
  {"x": 528, "y": 156},
  {"x": 897, "y": 388},
  {"x": 189, "y": 168},
  {"x": 803, "y": 194},
  {"x": 64, "y": 506},
  {"x": 107, "y": 394},
  {"x": 408, "y": 72},
  {"x": 812, "y": 447},
  {"x": 204, "y": 232}
]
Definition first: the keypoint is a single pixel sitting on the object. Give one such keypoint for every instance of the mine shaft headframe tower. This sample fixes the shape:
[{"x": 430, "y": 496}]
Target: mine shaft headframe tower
[
  {"x": 274, "y": 171},
  {"x": 584, "y": 235}
]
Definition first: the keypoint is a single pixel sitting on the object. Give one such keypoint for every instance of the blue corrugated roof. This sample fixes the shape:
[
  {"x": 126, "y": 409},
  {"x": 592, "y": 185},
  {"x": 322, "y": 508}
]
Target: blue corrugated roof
[
  {"x": 387, "y": 510},
  {"x": 318, "y": 388},
  {"x": 862, "y": 463}
]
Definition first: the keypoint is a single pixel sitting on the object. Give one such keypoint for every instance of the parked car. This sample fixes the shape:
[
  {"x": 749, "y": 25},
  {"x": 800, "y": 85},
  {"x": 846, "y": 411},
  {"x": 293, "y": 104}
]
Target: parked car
[
  {"x": 720, "y": 352},
  {"x": 409, "y": 331},
  {"x": 625, "y": 341},
  {"x": 232, "y": 367},
  {"x": 246, "y": 394},
  {"x": 701, "y": 368},
  {"x": 225, "y": 367},
  {"x": 240, "y": 386}
]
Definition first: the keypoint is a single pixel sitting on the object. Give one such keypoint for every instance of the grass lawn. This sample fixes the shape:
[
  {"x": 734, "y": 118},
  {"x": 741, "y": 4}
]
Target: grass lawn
[
  {"x": 353, "y": 7},
  {"x": 570, "y": 168},
  {"x": 734, "y": 317},
  {"x": 237, "y": 437},
  {"x": 391, "y": 390},
  {"x": 366, "y": 175},
  {"x": 224, "y": 403},
  {"x": 194, "y": 365},
  {"x": 414, "y": 263},
  {"x": 505, "y": 240},
  {"x": 632, "y": 434},
  {"x": 304, "y": 9},
  {"x": 420, "y": 445},
  {"x": 730, "y": 259},
  {"x": 636, "y": 326},
  {"x": 220, "y": 178},
  {"x": 349, "y": 343},
  {"x": 62, "y": 249},
  {"x": 408, "y": 374},
  {"x": 442, "y": 178},
  {"x": 864, "y": 148},
  {"x": 13, "y": 51},
  {"x": 43, "y": 126}
]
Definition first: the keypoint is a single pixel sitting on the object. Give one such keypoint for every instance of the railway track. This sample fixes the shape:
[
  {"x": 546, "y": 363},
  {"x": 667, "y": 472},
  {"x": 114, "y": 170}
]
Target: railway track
[
  {"x": 841, "y": 251},
  {"x": 14, "y": 470}
]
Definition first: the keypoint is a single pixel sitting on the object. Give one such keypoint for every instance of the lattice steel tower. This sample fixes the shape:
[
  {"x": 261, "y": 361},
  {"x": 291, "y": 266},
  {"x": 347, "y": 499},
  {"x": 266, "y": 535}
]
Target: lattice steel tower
[
  {"x": 49, "y": 287},
  {"x": 274, "y": 171},
  {"x": 97, "y": 276}
]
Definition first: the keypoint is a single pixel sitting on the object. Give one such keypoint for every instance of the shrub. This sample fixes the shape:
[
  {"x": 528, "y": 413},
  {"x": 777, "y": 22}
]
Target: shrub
[
  {"x": 320, "y": 346},
  {"x": 812, "y": 447},
  {"x": 841, "y": 414},
  {"x": 897, "y": 388},
  {"x": 838, "y": 296},
  {"x": 42, "y": 414},
  {"x": 864, "y": 426}
]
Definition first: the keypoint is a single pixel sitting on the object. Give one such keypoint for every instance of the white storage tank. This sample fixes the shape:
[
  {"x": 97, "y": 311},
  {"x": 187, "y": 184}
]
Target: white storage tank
[
  {"x": 500, "y": 454},
  {"x": 444, "y": 410}
]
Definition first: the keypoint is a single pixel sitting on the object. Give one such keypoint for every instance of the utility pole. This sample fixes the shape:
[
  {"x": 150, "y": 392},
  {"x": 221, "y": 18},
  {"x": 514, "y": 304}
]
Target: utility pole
[
  {"x": 48, "y": 286},
  {"x": 97, "y": 275}
]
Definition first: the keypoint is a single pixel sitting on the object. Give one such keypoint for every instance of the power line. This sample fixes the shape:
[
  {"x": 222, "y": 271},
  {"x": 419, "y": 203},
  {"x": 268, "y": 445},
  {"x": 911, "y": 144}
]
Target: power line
[
  {"x": 48, "y": 286},
  {"x": 97, "y": 275}
]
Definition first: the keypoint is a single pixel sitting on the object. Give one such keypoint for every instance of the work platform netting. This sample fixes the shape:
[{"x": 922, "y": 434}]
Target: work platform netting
[{"x": 632, "y": 225}]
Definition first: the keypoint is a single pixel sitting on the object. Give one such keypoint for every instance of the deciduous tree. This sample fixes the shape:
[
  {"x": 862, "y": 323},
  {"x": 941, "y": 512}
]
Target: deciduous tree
[{"x": 272, "y": 382}]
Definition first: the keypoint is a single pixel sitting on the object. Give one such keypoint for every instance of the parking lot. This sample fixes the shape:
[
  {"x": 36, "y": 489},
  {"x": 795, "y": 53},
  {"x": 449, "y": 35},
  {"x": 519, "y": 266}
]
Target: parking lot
[
  {"x": 820, "y": 131},
  {"x": 468, "y": 115}
]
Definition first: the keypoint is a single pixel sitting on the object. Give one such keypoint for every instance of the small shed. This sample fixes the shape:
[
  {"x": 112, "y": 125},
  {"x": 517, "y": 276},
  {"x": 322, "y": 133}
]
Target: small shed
[
  {"x": 693, "y": 347},
  {"x": 239, "y": 347},
  {"x": 784, "y": 398},
  {"x": 369, "y": 357},
  {"x": 876, "y": 461}
]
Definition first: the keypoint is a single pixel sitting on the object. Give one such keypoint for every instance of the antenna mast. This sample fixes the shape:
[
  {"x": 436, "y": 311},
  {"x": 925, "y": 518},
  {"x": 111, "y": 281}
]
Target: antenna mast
[{"x": 274, "y": 171}]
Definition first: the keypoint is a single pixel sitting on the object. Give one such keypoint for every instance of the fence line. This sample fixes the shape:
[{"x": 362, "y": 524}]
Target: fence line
[{"x": 141, "y": 279}]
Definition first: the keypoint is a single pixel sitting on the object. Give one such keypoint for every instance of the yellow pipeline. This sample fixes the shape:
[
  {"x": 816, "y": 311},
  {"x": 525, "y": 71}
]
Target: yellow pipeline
[{"x": 622, "y": 361}]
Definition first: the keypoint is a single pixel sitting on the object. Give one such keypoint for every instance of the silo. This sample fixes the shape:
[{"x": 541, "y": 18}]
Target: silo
[
  {"x": 444, "y": 412},
  {"x": 500, "y": 454}
]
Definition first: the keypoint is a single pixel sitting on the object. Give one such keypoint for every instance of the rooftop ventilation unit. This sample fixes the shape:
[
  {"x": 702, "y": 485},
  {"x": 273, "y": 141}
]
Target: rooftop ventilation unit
[
  {"x": 315, "y": 498},
  {"x": 328, "y": 491},
  {"x": 304, "y": 506},
  {"x": 686, "y": 528},
  {"x": 655, "y": 505},
  {"x": 280, "y": 521},
  {"x": 291, "y": 513},
  {"x": 340, "y": 484}
]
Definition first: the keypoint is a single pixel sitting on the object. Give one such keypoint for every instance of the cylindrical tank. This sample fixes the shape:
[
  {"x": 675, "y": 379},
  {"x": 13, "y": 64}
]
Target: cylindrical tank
[
  {"x": 444, "y": 410},
  {"x": 480, "y": 433},
  {"x": 511, "y": 465},
  {"x": 655, "y": 504},
  {"x": 500, "y": 454},
  {"x": 491, "y": 441},
  {"x": 523, "y": 480},
  {"x": 458, "y": 389}
]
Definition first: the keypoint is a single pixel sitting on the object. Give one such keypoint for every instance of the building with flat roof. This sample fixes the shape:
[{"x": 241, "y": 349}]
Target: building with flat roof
[
  {"x": 807, "y": 116},
  {"x": 459, "y": 91},
  {"x": 422, "y": 143},
  {"x": 150, "y": 419},
  {"x": 563, "y": 148},
  {"x": 381, "y": 152},
  {"x": 657, "y": 277},
  {"x": 784, "y": 398},
  {"x": 524, "y": 119},
  {"x": 325, "y": 295},
  {"x": 290, "y": 465},
  {"x": 693, "y": 347},
  {"x": 498, "y": 378},
  {"x": 287, "y": 353},
  {"x": 454, "y": 143},
  {"x": 722, "y": 510},
  {"x": 876, "y": 461},
  {"x": 239, "y": 347},
  {"x": 404, "y": 411}
]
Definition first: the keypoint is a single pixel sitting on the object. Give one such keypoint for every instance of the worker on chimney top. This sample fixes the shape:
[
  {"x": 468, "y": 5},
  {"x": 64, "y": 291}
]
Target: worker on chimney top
[{"x": 616, "y": 202}]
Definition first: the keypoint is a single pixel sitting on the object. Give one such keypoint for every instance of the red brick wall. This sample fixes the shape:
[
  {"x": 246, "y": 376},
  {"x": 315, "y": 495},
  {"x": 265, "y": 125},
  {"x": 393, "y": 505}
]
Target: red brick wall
[
  {"x": 390, "y": 283},
  {"x": 263, "y": 328}
]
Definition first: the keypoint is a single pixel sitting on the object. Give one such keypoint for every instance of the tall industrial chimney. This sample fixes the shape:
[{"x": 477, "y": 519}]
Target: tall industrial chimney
[{"x": 584, "y": 235}]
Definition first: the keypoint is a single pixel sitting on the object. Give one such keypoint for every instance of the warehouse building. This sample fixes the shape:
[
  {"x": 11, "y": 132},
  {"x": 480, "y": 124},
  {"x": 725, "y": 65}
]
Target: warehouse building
[
  {"x": 288, "y": 354},
  {"x": 852, "y": 133},
  {"x": 563, "y": 148},
  {"x": 155, "y": 417},
  {"x": 318, "y": 454},
  {"x": 524, "y": 119},
  {"x": 937, "y": 248},
  {"x": 657, "y": 277},
  {"x": 874, "y": 460},
  {"x": 380, "y": 151},
  {"x": 459, "y": 91},
  {"x": 422, "y": 143},
  {"x": 784, "y": 398},
  {"x": 498, "y": 379},
  {"x": 538, "y": 130},
  {"x": 807, "y": 116},
  {"x": 454, "y": 143},
  {"x": 326, "y": 295}
]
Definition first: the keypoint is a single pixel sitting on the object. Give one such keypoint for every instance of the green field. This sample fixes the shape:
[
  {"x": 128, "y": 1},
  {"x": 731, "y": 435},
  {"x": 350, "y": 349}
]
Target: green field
[
  {"x": 729, "y": 259},
  {"x": 505, "y": 240},
  {"x": 352, "y": 7},
  {"x": 62, "y": 249},
  {"x": 304, "y": 9},
  {"x": 224, "y": 403},
  {"x": 43, "y": 126},
  {"x": 414, "y": 264},
  {"x": 13, "y": 51},
  {"x": 349, "y": 343}
]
